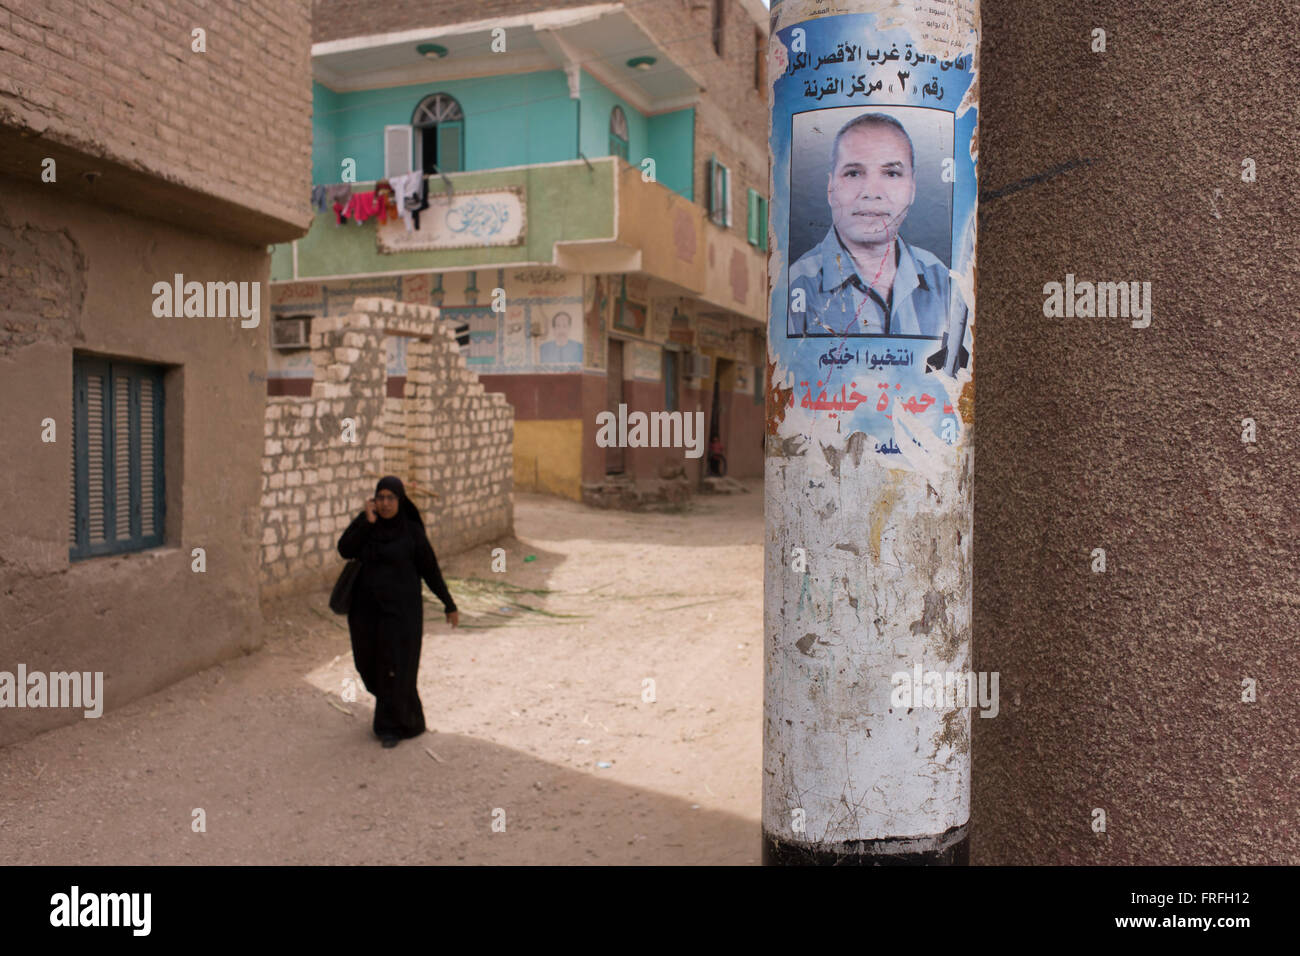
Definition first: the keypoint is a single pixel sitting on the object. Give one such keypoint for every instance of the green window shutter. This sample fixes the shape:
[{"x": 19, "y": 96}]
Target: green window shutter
[
  {"x": 451, "y": 146},
  {"x": 670, "y": 380},
  {"x": 117, "y": 466},
  {"x": 90, "y": 383},
  {"x": 726, "y": 196},
  {"x": 752, "y": 220},
  {"x": 72, "y": 466},
  {"x": 712, "y": 188},
  {"x": 619, "y": 137},
  {"x": 122, "y": 499},
  {"x": 151, "y": 505},
  {"x": 762, "y": 223}
]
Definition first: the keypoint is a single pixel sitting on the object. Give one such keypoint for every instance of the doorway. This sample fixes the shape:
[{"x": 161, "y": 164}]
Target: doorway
[
  {"x": 615, "y": 463},
  {"x": 723, "y": 383}
]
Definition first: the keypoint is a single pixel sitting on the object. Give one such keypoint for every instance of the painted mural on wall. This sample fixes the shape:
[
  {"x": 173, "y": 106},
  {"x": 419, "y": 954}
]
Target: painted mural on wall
[
  {"x": 680, "y": 330},
  {"x": 531, "y": 335},
  {"x": 514, "y": 337},
  {"x": 469, "y": 219},
  {"x": 553, "y": 310},
  {"x": 713, "y": 334},
  {"x": 539, "y": 330},
  {"x": 553, "y": 321},
  {"x": 630, "y": 316},
  {"x": 645, "y": 362},
  {"x": 332, "y": 299},
  {"x": 417, "y": 289},
  {"x": 558, "y": 348},
  {"x": 638, "y": 288},
  {"x": 661, "y": 317},
  {"x": 872, "y": 283},
  {"x": 484, "y": 329}
]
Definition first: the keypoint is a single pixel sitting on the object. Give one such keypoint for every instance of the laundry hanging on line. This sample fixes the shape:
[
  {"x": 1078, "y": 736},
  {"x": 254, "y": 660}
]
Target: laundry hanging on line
[
  {"x": 338, "y": 196},
  {"x": 411, "y": 192},
  {"x": 357, "y": 207}
]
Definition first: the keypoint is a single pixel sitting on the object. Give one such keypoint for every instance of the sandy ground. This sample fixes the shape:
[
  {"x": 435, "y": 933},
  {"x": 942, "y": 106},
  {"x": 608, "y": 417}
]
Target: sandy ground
[{"x": 540, "y": 688}]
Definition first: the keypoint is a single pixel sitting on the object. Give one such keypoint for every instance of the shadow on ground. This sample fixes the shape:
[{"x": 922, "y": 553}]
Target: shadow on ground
[
  {"x": 284, "y": 777},
  {"x": 263, "y": 747}
]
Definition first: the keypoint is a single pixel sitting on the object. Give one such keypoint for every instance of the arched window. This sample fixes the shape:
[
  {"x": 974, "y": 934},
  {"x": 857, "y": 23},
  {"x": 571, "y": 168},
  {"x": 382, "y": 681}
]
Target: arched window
[
  {"x": 618, "y": 132},
  {"x": 439, "y": 135}
]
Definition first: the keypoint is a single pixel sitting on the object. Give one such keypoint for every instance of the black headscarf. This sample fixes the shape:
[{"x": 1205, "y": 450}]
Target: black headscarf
[{"x": 406, "y": 510}]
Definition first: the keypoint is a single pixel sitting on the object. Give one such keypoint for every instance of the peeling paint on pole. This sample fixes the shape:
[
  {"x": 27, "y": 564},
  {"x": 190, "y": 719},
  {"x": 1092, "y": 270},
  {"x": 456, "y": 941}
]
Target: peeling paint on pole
[{"x": 870, "y": 407}]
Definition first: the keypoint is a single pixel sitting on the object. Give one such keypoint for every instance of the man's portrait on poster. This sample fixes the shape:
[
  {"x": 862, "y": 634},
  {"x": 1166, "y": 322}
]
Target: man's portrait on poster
[
  {"x": 853, "y": 273},
  {"x": 559, "y": 348}
]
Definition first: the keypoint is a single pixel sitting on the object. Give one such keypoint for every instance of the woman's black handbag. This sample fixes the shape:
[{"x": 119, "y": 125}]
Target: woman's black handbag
[{"x": 341, "y": 596}]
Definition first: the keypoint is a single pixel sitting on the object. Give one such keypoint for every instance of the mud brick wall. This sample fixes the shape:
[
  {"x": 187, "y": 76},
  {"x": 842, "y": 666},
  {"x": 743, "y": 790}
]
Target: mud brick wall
[
  {"x": 448, "y": 440},
  {"x": 121, "y": 82}
]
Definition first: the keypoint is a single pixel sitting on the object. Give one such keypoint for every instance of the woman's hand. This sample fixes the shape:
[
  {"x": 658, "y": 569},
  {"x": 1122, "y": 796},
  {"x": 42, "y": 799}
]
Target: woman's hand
[
  {"x": 371, "y": 516},
  {"x": 453, "y": 618}
]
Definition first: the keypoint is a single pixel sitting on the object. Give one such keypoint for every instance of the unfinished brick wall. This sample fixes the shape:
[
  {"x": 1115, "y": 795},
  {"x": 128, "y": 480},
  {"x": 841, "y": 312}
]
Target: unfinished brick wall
[
  {"x": 397, "y": 458},
  {"x": 449, "y": 441}
]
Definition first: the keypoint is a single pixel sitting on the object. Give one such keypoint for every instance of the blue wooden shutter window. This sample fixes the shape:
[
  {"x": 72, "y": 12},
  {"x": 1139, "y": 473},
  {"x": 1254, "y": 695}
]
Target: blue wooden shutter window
[{"x": 117, "y": 458}]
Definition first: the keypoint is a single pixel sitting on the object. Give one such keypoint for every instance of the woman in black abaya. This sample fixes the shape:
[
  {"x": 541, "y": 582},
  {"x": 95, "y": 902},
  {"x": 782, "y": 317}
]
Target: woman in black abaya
[{"x": 386, "y": 618}]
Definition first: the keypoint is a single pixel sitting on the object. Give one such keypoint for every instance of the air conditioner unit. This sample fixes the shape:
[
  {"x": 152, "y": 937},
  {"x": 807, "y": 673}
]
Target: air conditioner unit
[{"x": 291, "y": 333}]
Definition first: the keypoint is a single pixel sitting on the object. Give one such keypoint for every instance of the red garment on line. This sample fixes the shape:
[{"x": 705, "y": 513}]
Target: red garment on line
[
  {"x": 387, "y": 206},
  {"x": 362, "y": 206}
]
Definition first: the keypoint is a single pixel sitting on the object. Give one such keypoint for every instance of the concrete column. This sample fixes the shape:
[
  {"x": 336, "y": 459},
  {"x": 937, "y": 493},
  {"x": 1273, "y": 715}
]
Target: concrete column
[
  {"x": 1138, "y": 521},
  {"x": 870, "y": 407}
]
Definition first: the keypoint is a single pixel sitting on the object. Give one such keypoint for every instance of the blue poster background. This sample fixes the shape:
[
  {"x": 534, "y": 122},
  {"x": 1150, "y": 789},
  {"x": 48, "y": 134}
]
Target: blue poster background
[{"x": 895, "y": 388}]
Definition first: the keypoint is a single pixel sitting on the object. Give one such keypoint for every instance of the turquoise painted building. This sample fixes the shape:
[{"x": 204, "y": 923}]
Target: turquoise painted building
[
  {"x": 512, "y": 120},
  {"x": 563, "y": 236}
]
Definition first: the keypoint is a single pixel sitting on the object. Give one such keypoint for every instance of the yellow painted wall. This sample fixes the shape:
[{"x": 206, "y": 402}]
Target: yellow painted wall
[{"x": 548, "y": 457}]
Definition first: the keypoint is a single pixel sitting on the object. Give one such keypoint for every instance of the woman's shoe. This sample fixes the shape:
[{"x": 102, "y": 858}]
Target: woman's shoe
[{"x": 389, "y": 740}]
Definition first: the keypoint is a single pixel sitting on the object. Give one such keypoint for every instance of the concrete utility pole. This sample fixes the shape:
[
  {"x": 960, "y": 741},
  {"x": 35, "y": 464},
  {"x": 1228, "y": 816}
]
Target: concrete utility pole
[{"x": 870, "y": 407}]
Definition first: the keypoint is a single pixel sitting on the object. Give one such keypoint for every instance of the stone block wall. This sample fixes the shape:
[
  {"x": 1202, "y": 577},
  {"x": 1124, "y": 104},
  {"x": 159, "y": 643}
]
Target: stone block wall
[
  {"x": 396, "y": 455},
  {"x": 450, "y": 442}
]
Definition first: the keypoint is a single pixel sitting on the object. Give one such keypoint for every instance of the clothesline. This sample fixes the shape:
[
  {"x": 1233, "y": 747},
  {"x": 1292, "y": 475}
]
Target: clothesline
[{"x": 406, "y": 195}]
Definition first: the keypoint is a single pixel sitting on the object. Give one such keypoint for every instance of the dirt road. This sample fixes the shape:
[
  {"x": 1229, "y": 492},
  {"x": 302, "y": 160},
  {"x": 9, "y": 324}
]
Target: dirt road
[{"x": 541, "y": 720}]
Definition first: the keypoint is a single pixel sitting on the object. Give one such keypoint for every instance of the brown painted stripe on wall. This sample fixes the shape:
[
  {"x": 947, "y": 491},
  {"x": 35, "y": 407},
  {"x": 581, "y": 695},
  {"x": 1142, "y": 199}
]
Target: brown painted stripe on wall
[
  {"x": 288, "y": 386},
  {"x": 541, "y": 396}
]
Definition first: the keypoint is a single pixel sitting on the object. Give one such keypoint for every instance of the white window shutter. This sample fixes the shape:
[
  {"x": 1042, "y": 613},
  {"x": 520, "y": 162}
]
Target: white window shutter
[
  {"x": 712, "y": 186},
  {"x": 397, "y": 150},
  {"x": 726, "y": 179}
]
